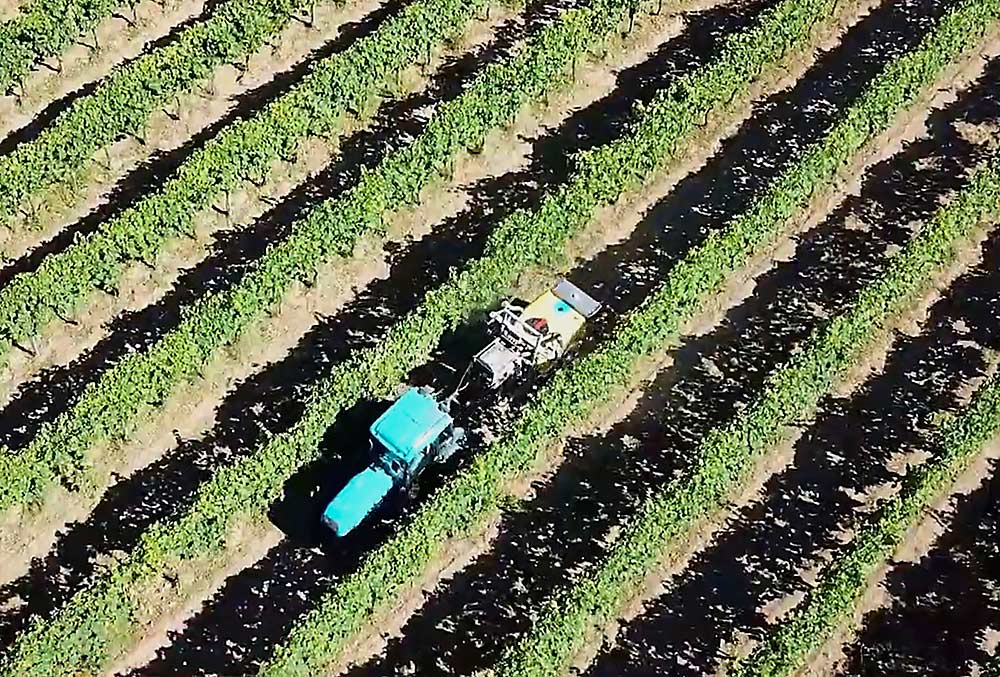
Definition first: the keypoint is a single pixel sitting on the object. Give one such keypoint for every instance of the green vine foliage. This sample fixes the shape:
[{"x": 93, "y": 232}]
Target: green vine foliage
[
  {"x": 85, "y": 633},
  {"x": 727, "y": 454},
  {"x": 123, "y": 102},
  {"x": 242, "y": 153},
  {"x": 842, "y": 582},
  {"x": 463, "y": 504},
  {"x": 45, "y": 28},
  {"x": 110, "y": 407}
]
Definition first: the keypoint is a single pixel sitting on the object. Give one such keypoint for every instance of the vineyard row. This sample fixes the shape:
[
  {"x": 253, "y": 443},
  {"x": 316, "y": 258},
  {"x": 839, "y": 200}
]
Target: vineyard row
[
  {"x": 93, "y": 616},
  {"x": 123, "y": 102},
  {"x": 242, "y": 153},
  {"x": 245, "y": 489},
  {"x": 726, "y": 456},
  {"x": 466, "y": 503},
  {"x": 842, "y": 582},
  {"x": 44, "y": 28},
  {"x": 108, "y": 407}
]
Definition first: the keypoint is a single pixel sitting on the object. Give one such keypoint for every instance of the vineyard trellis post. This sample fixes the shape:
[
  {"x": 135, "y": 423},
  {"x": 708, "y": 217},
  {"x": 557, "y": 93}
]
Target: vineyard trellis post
[
  {"x": 62, "y": 316},
  {"x": 30, "y": 210},
  {"x": 242, "y": 65},
  {"x": 16, "y": 90},
  {"x": 633, "y": 9},
  {"x": 96, "y": 47},
  {"x": 29, "y": 350}
]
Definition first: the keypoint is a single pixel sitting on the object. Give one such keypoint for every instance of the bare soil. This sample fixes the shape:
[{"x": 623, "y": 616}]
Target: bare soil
[
  {"x": 455, "y": 557},
  {"x": 9, "y": 9},
  {"x": 80, "y": 64},
  {"x": 193, "y": 586}
]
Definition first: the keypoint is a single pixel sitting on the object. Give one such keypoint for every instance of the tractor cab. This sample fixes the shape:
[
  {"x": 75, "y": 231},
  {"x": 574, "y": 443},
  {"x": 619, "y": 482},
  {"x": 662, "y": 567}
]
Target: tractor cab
[
  {"x": 414, "y": 432},
  {"x": 535, "y": 334},
  {"x": 410, "y": 433}
]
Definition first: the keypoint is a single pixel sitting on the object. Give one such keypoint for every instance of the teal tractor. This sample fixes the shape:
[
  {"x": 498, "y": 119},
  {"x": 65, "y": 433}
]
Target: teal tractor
[
  {"x": 414, "y": 432},
  {"x": 417, "y": 429}
]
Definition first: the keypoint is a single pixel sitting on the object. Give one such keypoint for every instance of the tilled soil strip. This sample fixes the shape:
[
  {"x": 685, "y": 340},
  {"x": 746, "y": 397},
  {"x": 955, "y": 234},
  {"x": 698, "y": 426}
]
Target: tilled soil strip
[
  {"x": 9, "y": 9},
  {"x": 120, "y": 39},
  {"x": 772, "y": 537},
  {"x": 549, "y": 543},
  {"x": 965, "y": 654}
]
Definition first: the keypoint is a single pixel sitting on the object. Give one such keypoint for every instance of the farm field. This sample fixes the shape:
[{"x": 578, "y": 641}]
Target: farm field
[{"x": 235, "y": 231}]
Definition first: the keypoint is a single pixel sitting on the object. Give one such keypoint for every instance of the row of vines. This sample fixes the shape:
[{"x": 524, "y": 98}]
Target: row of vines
[
  {"x": 242, "y": 153},
  {"x": 87, "y": 631},
  {"x": 464, "y": 504},
  {"x": 842, "y": 582},
  {"x": 726, "y": 456},
  {"x": 44, "y": 28},
  {"x": 491, "y": 101},
  {"x": 123, "y": 102},
  {"x": 111, "y": 405}
]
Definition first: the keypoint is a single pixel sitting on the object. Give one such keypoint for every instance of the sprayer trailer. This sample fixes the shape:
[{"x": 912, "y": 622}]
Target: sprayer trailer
[{"x": 535, "y": 334}]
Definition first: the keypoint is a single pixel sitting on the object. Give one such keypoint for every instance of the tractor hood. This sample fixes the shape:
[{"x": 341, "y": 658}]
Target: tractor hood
[{"x": 357, "y": 499}]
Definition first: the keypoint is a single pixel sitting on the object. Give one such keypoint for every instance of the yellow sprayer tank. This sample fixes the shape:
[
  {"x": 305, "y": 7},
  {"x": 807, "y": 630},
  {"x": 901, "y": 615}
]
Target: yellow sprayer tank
[
  {"x": 539, "y": 333},
  {"x": 560, "y": 318}
]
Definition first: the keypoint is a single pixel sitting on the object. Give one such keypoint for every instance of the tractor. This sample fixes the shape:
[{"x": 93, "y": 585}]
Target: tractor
[{"x": 418, "y": 430}]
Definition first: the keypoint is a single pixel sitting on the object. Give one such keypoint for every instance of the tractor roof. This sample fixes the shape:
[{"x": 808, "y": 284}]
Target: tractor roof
[{"x": 410, "y": 424}]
